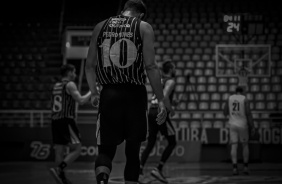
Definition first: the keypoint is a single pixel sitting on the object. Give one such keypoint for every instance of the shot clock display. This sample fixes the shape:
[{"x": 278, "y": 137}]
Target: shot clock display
[{"x": 232, "y": 23}]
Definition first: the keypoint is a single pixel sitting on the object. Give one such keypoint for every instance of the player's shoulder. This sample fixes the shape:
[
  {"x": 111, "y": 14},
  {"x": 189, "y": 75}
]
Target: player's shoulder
[
  {"x": 100, "y": 24},
  {"x": 145, "y": 26},
  {"x": 170, "y": 80},
  {"x": 71, "y": 84}
]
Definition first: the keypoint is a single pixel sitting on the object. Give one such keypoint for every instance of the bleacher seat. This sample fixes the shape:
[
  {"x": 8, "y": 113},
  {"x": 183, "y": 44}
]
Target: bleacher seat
[
  {"x": 212, "y": 88},
  {"x": 204, "y": 106},
  {"x": 169, "y": 51},
  {"x": 165, "y": 44},
  {"x": 265, "y": 88},
  {"x": 215, "y": 97},
  {"x": 186, "y": 36},
  {"x": 260, "y": 105},
  {"x": 215, "y": 106},
  {"x": 191, "y": 106},
  {"x": 222, "y": 88},
  {"x": 218, "y": 124},
  {"x": 259, "y": 96},
  {"x": 207, "y": 124},
  {"x": 195, "y": 124},
  {"x": 271, "y": 105},
  {"x": 276, "y": 88}
]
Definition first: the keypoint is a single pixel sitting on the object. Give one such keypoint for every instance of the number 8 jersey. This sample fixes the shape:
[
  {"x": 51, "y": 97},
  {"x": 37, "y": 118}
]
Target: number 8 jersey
[
  {"x": 237, "y": 113},
  {"x": 63, "y": 104},
  {"x": 120, "y": 59}
]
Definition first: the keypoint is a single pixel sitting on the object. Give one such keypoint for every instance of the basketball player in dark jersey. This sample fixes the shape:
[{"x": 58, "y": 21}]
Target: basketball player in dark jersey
[
  {"x": 166, "y": 129},
  {"x": 120, "y": 52},
  {"x": 64, "y": 130}
]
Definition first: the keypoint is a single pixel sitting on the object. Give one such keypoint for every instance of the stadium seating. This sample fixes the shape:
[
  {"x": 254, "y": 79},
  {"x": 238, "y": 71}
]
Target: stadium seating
[{"x": 185, "y": 31}]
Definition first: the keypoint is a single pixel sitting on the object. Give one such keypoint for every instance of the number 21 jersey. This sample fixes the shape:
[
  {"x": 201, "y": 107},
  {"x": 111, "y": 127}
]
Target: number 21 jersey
[
  {"x": 120, "y": 59},
  {"x": 237, "y": 114}
]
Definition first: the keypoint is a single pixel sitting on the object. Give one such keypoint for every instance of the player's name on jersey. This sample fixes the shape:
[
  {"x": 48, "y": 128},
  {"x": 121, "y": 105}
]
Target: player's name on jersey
[
  {"x": 119, "y": 25},
  {"x": 114, "y": 34}
]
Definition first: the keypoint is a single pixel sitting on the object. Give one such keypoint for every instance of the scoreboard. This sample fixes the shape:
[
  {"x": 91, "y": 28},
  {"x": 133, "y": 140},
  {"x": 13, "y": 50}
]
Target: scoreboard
[
  {"x": 243, "y": 23},
  {"x": 232, "y": 23}
]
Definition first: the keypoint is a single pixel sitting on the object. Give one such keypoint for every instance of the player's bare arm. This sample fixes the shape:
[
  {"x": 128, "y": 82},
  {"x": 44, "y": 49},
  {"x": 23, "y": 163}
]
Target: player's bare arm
[
  {"x": 73, "y": 91},
  {"x": 149, "y": 59},
  {"x": 91, "y": 62},
  {"x": 169, "y": 86},
  {"x": 152, "y": 71},
  {"x": 249, "y": 114}
]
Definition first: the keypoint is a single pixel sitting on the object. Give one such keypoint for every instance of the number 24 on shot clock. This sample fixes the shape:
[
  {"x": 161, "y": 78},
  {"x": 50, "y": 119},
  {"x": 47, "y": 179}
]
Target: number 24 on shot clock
[{"x": 233, "y": 23}]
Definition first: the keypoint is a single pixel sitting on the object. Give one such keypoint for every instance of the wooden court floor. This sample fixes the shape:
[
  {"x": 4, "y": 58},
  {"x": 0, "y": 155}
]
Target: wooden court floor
[{"x": 177, "y": 173}]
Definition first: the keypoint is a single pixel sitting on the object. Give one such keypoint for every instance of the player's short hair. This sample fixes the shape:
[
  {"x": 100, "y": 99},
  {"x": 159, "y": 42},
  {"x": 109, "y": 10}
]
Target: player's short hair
[
  {"x": 136, "y": 5},
  {"x": 67, "y": 68},
  {"x": 239, "y": 89},
  {"x": 167, "y": 65}
]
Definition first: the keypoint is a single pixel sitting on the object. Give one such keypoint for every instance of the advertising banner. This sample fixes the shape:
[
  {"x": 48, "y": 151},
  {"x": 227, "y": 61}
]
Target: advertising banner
[{"x": 36, "y": 144}]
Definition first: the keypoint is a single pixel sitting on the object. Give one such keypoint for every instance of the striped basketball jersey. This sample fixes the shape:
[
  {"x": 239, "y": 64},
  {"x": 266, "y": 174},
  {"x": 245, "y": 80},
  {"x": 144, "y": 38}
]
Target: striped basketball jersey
[
  {"x": 63, "y": 104},
  {"x": 154, "y": 100},
  {"x": 237, "y": 114},
  {"x": 120, "y": 58}
]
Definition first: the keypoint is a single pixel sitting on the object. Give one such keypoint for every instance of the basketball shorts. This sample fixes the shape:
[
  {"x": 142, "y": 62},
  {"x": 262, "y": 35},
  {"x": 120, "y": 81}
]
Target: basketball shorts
[
  {"x": 166, "y": 128},
  {"x": 238, "y": 134},
  {"x": 122, "y": 114},
  {"x": 65, "y": 132}
]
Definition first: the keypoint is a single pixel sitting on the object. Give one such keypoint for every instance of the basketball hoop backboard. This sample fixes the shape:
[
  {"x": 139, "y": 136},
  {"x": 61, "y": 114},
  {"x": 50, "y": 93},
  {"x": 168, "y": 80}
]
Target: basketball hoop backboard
[{"x": 254, "y": 58}]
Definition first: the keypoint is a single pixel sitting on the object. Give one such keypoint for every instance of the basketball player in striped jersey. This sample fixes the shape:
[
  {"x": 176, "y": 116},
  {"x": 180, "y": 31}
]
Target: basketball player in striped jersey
[
  {"x": 121, "y": 57},
  {"x": 64, "y": 130},
  {"x": 166, "y": 129},
  {"x": 237, "y": 109}
]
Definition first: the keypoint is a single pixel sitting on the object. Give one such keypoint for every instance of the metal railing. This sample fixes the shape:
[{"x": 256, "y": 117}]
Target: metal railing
[{"x": 42, "y": 118}]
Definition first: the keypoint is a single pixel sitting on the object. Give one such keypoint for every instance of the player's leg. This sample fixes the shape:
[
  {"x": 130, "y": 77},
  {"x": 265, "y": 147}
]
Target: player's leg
[
  {"x": 74, "y": 143},
  {"x": 103, "y": 163},
  {"x": 74, "y": 153},
  {"x": 57, "y": 172},
  {"x": 59, "y": 153},
  {"x": 168, "y": 131},
  {"x": 109, "y": 131},
  {"x": 171, "y": 139},
  {"x": 60, "y": 136},
  {"x": 136, "y": 122},
  {"x": 234, "y": 147},
  {"x": 244, "y": 138},
  {"x": 158, "y": 171},
  {"x": 131, "y": 170},
  {"x": 152, "y": 137}
]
